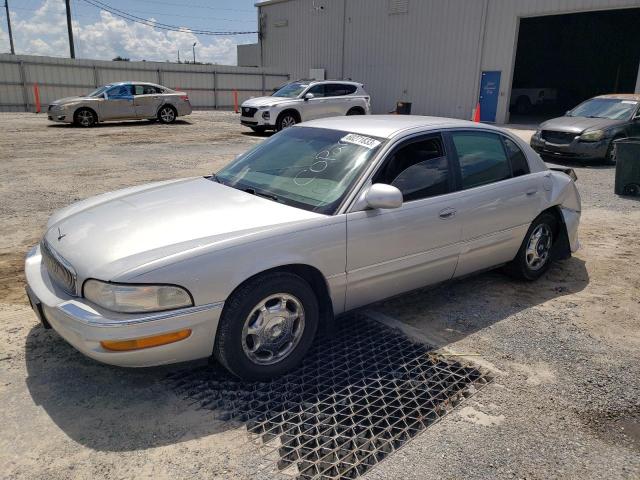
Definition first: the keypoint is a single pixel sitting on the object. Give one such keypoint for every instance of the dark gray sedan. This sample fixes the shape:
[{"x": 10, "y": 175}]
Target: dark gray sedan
[{"x": 587, "y": 132}]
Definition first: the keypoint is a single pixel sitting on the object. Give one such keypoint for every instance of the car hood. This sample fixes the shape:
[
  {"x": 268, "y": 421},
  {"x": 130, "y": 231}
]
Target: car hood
[
  {"x": 64, "y": 101},
  {"x": 266, "y": 101},
  {"x": 578, "y": 124},
  {"x": 111, "y": 235}
]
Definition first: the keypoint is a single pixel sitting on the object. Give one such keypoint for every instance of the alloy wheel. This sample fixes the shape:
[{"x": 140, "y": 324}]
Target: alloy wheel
[
  {"x": 539, "y": 247},
  {"x": 273, "y": 329}
]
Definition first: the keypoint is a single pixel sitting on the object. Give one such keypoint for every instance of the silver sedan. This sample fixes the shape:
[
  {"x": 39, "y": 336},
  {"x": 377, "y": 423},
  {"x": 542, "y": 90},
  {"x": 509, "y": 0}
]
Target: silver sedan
[
  {"x": 319, "y": 219},
  {"x": 121, "y": 101}
]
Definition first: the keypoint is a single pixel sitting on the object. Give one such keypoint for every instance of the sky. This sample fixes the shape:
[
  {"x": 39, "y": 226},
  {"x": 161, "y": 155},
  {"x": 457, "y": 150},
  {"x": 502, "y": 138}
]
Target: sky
[{"x": 40, "y": 28}]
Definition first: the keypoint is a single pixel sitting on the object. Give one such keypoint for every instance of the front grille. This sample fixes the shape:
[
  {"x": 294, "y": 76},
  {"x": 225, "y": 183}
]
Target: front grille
[
  {"x": 560, "y": 138},
  {"x": 62, "y": 276},
  {"x": 248, "y": 111}
]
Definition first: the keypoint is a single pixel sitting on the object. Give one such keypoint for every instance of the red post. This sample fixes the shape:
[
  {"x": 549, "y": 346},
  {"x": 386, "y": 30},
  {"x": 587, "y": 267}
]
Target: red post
[
  {"x": 235, "y": 101},
  {"x": 36, "y": 96}
]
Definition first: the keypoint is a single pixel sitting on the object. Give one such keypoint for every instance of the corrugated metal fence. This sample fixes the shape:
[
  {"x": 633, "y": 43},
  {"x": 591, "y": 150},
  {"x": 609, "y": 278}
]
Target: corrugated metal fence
[{"x": 208, "y": 86}]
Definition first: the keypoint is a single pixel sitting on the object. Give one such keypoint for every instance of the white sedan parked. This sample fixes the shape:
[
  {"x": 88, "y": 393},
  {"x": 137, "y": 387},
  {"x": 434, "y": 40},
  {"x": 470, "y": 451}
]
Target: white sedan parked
[
  {"x": 319, "y": 219},
  {"x": 304, "y": 100}
]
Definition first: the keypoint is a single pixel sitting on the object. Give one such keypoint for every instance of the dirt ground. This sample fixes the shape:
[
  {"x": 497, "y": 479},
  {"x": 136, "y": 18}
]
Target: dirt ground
[{"x": 565, "y": 351}]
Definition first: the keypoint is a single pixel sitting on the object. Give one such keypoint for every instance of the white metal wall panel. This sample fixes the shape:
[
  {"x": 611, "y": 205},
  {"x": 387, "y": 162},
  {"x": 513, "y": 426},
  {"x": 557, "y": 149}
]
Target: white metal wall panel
[{"x": 432, "y": 55}]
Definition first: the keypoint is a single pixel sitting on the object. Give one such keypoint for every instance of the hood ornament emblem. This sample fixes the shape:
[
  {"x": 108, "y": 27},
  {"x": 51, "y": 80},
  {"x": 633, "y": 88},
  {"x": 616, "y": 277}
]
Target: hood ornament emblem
[{"x": 61, "y": 235}]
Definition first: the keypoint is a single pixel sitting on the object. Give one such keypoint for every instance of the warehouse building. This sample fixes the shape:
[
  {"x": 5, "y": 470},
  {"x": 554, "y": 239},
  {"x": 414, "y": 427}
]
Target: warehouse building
[{"x": 447, "y": 56}]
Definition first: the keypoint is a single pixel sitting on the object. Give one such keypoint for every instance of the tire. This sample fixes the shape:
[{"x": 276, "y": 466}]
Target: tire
[
  {"x": 258, "y": 129},
  {"x": 355, "y": 111},
  {"x": 247, "y": 355},
  {"x": 85, "y": 117},
  {"x": 524, "y": 266},
  {"x": 610, "y": 156},
  {"x": 167, "y": 114},
  {"x": 286, "y": 120}
]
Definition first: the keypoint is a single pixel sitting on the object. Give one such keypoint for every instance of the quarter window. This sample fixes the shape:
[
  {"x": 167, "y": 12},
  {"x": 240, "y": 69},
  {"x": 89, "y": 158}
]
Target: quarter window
[
  {"x": 519, "y": 164},
  {"x": 419, "y": 170},
  {"x": 482, "y": 158},
  {"x": 339, "y": 89}
]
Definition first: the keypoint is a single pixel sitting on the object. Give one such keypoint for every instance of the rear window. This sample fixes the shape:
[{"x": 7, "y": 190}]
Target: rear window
[{"x": 339, "y": 89}]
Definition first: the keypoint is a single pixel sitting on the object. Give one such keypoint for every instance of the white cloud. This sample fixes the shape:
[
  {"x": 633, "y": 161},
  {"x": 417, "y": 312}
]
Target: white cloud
[{"x": 44, "y": 33}]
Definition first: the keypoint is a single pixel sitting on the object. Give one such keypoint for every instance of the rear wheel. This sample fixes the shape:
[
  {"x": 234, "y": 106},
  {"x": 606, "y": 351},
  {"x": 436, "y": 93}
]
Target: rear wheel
[
  {"x": 267, "y": 326},
  {"x": 355, "y": 111},
  {"x": 167, "y": 114},
  {"x": 85, "y": 117},
  {"x": 535, "y": 254}
]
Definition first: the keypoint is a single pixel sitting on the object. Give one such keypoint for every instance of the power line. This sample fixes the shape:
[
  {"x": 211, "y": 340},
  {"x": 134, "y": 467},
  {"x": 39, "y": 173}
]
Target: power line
[
  {"x": 154, "y": 24},
  {"x": 158, "y": 2}
]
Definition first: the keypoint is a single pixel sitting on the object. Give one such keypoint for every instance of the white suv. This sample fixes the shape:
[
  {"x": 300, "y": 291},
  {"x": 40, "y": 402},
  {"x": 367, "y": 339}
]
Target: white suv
[{"x": 304, "y": 100}]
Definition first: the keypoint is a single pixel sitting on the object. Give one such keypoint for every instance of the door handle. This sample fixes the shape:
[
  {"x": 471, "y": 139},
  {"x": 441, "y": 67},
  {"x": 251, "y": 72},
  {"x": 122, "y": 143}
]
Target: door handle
[
  {"x": 447, "y": 213},
  {"x": 532, "y": 191}
]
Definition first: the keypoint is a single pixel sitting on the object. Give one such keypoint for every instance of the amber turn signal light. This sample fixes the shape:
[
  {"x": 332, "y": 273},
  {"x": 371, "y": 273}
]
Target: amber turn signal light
[{"x": 147, "y": 342}]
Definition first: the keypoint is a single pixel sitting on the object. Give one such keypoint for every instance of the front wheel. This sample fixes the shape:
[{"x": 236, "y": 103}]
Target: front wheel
[
  {"x": 167, "y": 114},
  {"x": 267, "y": 326},
  {"x": 535, "y": 254},
  {"x": 610, "y": 156},
  {"x": 85, "y": 117},
  {"x": 286, "y": 120}
]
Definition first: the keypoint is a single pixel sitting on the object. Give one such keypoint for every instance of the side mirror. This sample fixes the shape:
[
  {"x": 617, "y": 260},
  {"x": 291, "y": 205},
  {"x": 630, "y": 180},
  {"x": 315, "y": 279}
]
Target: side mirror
[
  {"x": 308, "y": 96},
  {"x": 381, "y": 195}
]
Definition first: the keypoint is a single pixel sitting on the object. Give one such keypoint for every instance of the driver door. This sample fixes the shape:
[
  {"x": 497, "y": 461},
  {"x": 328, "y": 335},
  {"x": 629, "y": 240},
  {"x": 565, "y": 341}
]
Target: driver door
[
  {"x": 317, "y": 106},
  {"x": 391, "y": 251},
  {"x": 119, "y": 103}
]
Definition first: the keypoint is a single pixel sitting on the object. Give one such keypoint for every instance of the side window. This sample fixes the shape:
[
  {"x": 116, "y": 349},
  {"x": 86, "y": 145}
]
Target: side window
[
  {"x": 419, "y": 170},
  {"x": 339, "y": 89},
  {"x": 138, "y": 90},
  {"x": 120, "y": 91},
  {"x": 482, "y": 158},
  {"x": 519, "y": 164},
  {"x": 317, "y": 90}
]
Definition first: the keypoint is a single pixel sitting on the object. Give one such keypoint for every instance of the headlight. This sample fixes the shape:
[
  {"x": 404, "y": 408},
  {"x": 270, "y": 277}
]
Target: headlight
[
  {"x": 130, "y": 298},
  {"x": 538, "y": 133},
  {"x": 592, "y": 136}
]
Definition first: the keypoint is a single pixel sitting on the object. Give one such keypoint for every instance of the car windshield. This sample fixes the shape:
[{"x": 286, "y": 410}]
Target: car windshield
[
  {"x": 98, "y": 91},
  {"x": 290, "y": 90},
  {"x": 612, "y": 108},
  {"x": 308, "y": 168}
]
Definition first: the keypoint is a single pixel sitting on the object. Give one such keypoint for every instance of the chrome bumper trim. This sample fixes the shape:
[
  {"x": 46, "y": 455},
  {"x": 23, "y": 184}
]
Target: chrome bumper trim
[{"x": 94, "y": 319}]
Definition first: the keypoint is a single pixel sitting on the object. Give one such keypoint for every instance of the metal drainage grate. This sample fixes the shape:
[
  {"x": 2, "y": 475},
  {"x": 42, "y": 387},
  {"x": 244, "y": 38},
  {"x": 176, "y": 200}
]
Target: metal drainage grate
[{"x": 363, "y": 391}]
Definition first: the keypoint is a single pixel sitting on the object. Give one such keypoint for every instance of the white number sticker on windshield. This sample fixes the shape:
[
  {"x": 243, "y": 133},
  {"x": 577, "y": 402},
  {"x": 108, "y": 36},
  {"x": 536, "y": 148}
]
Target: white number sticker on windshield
[
  {"x": 629, "y": 102},
  {"x": 361, "y": 140}
]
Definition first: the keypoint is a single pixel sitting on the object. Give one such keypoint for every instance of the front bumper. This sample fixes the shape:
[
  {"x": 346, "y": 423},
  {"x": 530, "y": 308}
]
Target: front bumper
[
  {"x": 84, "y": 325},
  {"x": 59, "y": 115},
  {"x": 576, "y": 150},
  {"x": 257, "y": 121}
]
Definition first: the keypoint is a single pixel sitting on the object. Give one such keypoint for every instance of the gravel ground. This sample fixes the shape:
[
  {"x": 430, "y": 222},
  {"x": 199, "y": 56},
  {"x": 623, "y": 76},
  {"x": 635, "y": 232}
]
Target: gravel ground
[{"x": 564, "y": 350}]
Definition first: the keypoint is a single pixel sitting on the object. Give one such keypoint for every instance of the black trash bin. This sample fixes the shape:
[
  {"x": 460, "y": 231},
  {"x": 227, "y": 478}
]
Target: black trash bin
[
  {"x": 403, "y": 108},
  {"x": 627, "y": 152}
]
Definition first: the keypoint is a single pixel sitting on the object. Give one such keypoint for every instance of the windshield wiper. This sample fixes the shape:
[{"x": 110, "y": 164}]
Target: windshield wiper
[{"x": 261, "y": 194}]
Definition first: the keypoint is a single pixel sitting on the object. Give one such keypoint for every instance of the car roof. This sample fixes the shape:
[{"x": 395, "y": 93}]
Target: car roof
[
  {"x": 387, "y": 126},
  {"x": 316, "y": 82},
  {"x": 622, "y": 96},
  {"x": 131, "y": 83}
]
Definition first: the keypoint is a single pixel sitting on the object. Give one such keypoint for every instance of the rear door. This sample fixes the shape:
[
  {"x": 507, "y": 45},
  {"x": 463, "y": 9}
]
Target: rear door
[
  {"x": 119, "y": 103},
  {"x": 499, "y": 197},
  {"x": 390, "y": 251},
  {"x": 147, "y": 99},
  {"x": 337, "y": 99}
]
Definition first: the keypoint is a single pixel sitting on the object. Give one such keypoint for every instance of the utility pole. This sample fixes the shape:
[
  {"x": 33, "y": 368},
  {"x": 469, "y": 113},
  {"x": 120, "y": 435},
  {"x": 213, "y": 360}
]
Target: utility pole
[
  {"x": 6, "y": 6},
  {"x": 194, "y": 53},
  {"x": 72, "y": 50}
]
